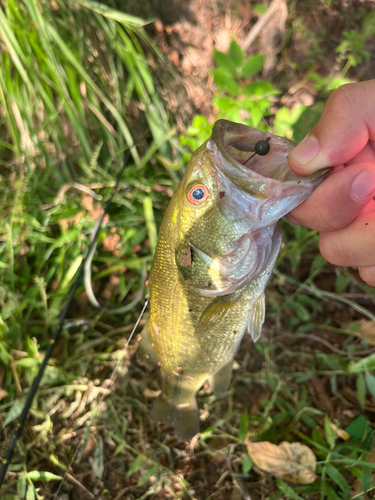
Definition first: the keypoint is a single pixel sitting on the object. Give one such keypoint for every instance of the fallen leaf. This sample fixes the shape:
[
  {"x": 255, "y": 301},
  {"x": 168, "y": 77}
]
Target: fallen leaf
[
  {"x": 293, "y": 462},
  {"x": 149, "y": 393},
  {"x": 339, "y": 432},
  {"x": 3, "y": 394},
  {"x": 366, "y": 331}
]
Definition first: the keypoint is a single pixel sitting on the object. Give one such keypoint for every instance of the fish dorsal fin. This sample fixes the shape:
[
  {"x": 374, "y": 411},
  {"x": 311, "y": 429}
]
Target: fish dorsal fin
[
  {"x": 256, "y": 318},
  {"x": 214, "y": 314}
]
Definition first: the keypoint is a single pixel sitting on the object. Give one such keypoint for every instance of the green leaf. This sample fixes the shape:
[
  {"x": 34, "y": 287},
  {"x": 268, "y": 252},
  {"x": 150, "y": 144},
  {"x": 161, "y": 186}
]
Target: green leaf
[
  {"x": 146, "y": 475},
  {"x": 287, "y": 490},
  {"x": 318, "y": 263},
  {"x": 150, "y": 222},
  {"x": 27, "y": 362},
  {"x": 260, "y": 89},
  {"x": 370, "y": 382},
  {"x": 357, "y": 428},
  {"x": 30, "y": 495},
  {"x": 318, "y": 438},
  {"x": 247, "y": 463},
  {"x": 253, "y": 65},
  {"x": 301, "y": 311},
  {"x": 224, "y": 61},
  {"x": 337, "y": 477},
  {"x": 366, "y": 477},
  {"x": 15, "y": 411},
  {"x": 329, "y": 434},
  {"x": 362, "y": 366},
  {"x": 70, "y": 273},
  {"x": 36, "y": 475},
  {"x": 21, "y": 485},
  {"x": 115, "y": 14},
  {"x": 259, "y": 8},
  {"x": 341, "y": 283},
  {"x": 243, "y": 425},
  {"x": 225, "y": 82},
  {"x": 135, "y": 465},
  {"x": 361, "y": 390},
  {"x": 98, "y": 460},
  {"x": 235, "y": 53}
]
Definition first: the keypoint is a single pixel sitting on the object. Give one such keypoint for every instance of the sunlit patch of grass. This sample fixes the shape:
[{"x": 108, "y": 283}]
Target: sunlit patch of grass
[{"x": 75, "y": 82}]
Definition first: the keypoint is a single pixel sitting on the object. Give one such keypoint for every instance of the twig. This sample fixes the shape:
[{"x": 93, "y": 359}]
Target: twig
[
  {"x": 64, "y": 189},
  {"x": 323, "y": 293},
  {"x": 121, "y": 492},
  {"x": 260, "y": 24},
  {"x": 315, "y": 338},
  {"x": 80, "y": 485},
  {"x": 15, "y": 374}
]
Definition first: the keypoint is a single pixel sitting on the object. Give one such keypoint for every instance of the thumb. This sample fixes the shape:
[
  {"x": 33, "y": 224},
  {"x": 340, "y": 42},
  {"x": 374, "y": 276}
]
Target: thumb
[{"x": 345, "y": 127}]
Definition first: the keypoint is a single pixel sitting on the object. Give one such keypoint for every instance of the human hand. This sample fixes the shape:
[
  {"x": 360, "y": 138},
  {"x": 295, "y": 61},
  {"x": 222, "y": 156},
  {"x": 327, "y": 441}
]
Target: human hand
[{"x": 342, "y": 208}]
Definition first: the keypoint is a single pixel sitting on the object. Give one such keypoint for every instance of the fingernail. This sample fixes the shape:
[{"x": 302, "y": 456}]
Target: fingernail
[
  {"x": 306, "y": 150},
  {"x": 363, "y": 186}
]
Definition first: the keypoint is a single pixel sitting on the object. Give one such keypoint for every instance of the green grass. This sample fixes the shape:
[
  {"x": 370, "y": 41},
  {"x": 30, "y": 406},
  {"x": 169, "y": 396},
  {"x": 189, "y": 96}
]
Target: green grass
[{"x": 75, "y": 79}]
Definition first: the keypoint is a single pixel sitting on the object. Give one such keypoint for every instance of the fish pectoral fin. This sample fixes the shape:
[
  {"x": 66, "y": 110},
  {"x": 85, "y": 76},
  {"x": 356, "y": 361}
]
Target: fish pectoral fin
[
  {"x": 219, "y": 382},
  {"x": 214, "y": 314},
  {"x": 256, "y": 318},
  {"x": 184, "y": 418}
]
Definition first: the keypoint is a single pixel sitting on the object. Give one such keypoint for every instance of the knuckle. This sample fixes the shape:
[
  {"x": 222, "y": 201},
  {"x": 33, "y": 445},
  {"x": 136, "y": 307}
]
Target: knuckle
[
  {"x": 343, "y": 96},
  {"x": 321, "y": 220}
]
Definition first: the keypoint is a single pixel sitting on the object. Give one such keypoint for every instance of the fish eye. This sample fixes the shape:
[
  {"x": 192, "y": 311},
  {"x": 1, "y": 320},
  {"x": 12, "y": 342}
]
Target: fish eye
[{"x": 197, "y": 194}]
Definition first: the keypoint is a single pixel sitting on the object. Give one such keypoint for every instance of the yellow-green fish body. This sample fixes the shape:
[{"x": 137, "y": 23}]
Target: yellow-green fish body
[{"x": 216, "y": 250}]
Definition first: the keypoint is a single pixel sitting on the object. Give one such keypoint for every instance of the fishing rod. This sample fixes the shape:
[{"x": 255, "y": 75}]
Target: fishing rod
[{"x": 60, "y": 325}]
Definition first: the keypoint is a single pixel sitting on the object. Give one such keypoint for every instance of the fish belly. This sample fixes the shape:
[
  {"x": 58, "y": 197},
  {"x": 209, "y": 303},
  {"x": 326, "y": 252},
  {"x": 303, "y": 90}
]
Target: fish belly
[{"x": 188, "y": 360}]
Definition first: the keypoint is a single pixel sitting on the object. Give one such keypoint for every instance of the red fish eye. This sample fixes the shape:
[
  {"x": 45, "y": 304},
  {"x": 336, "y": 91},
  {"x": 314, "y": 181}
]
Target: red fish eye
[{"x": 197, "y": 194}]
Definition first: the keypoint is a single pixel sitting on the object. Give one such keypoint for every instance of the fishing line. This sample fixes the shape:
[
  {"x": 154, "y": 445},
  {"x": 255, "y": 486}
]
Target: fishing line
[
  {"x": 57, "y": 333},
  {"x": 109, "y": 381}
]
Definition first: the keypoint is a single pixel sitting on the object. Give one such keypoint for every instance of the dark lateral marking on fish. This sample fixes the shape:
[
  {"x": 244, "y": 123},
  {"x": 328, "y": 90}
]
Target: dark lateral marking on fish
[
  {"x": 190, "y": 310},
  {"x": 221, "y": 194},
  {"x": 235, "y": 332},
  {"x": 185, "y": 259},
  {"x": 261, "y": 148}
]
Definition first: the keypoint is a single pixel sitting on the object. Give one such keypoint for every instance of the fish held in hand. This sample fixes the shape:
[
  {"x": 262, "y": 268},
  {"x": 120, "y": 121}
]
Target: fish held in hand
[{"x": 217, "y": 247}]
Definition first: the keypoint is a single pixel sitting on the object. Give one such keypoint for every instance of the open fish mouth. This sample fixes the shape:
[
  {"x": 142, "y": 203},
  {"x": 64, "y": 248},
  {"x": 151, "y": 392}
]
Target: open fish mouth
[{"x": 241, "y": 147}]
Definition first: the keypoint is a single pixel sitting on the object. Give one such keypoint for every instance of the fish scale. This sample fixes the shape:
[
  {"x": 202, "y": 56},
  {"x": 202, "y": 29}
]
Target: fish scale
[{"x": 217, "y": 247}]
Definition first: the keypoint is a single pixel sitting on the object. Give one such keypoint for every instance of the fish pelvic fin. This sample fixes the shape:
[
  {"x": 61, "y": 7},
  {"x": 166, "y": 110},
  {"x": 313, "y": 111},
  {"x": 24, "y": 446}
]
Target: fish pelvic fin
[
  {"x": 256, "y": 318},
  {"x": 214, "y": 314},
  {"x": 184, "y": 418}
]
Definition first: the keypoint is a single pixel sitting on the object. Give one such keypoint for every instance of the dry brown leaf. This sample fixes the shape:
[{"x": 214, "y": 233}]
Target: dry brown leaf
[
  {"x": 149, "y": 393},
  {"x": 3, "y": 394},
  {"x": 292, "y": 462},
  {"x": 366, "y": 331}
]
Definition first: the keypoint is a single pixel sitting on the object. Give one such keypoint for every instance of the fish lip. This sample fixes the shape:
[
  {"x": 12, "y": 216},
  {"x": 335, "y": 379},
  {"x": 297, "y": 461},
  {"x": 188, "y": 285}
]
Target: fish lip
[{"x": 226, "y": 134}]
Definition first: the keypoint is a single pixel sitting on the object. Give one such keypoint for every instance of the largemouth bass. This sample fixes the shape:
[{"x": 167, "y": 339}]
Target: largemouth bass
[{"x": 217, "y": 247}]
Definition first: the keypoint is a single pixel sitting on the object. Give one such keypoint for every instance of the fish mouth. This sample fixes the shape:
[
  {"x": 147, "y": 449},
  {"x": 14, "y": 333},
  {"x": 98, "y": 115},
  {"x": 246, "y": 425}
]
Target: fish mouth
[{"x": 238, "y": 145}]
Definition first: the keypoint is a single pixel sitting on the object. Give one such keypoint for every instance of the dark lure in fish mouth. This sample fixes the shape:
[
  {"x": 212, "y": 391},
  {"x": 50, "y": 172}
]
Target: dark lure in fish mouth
[{"x": 262, "y": 153}]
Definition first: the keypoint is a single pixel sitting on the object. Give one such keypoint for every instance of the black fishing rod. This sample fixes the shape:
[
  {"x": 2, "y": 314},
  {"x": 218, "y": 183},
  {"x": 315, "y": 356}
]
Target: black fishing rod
[{"x": 57, "y": 333}]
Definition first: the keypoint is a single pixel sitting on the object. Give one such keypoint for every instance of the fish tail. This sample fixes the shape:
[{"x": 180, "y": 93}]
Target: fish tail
[{"x": 184, "y": 418}]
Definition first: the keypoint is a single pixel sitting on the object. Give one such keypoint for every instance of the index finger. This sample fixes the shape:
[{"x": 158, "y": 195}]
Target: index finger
[{"x": 347, "y": 124}]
